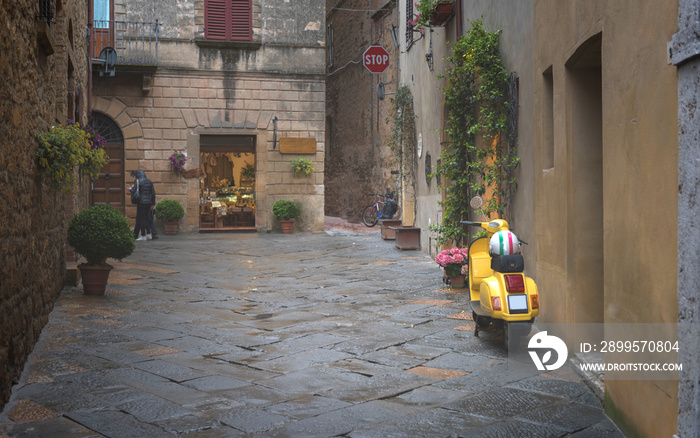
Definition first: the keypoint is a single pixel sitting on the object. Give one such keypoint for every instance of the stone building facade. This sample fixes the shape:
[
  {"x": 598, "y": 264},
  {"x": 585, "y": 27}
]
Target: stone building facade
[
  {"x": 258, "y": 102},
  {"x": 358, "y": 160},
  {"x": 43, "y": 82},
  {"x": 684, "y": 49}
]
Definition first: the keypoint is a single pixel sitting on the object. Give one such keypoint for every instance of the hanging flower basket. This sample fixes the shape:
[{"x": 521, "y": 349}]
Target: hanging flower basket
[{"x": 178, "y": 161}]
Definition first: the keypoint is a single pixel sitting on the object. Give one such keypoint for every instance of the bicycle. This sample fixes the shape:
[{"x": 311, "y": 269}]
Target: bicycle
[{"x": 373, "y": 212}]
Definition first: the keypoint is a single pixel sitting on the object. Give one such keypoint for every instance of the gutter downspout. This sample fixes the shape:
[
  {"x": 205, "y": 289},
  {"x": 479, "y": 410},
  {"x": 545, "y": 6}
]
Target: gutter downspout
[{"x": 89, "y": 56}]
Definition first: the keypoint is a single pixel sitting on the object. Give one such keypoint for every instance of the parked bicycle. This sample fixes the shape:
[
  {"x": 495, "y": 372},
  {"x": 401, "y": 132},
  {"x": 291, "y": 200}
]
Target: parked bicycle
[{"x": 380, "y": 209}]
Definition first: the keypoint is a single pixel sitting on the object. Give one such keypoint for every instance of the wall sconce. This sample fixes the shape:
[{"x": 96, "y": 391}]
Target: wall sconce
[
  {"x": 394, "y": 36},
  {"x": 429, "y": 60}
]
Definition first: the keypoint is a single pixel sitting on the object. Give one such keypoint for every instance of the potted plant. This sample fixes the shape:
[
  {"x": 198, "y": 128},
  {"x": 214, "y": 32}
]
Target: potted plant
[
  {"x": 302, "y": 166},
  {"x": 169, "y": 211},
  {"x": 454, "y": 262},
  {"x": 286, "y": 212},
  {"x": 98, "y": 233}
]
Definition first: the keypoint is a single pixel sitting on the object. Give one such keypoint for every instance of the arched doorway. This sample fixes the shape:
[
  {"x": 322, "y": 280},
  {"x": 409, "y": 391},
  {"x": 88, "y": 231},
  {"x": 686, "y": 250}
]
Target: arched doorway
[{"x": 108, "y": 188}]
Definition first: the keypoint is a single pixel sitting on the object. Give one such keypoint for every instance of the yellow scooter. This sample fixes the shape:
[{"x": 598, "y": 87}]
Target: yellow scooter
[{"x": 500, "y": 294}]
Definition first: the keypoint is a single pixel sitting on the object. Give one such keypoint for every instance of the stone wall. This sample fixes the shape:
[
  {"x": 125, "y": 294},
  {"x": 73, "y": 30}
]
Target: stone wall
[
  {"x": 38, "y": 88},
  {"x": 358, "y": 160},
  {"x": 685, "y": 48}
]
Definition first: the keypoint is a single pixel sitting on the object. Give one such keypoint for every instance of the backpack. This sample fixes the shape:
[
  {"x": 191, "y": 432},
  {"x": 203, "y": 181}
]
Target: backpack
[{"x": 389, "y": 210}]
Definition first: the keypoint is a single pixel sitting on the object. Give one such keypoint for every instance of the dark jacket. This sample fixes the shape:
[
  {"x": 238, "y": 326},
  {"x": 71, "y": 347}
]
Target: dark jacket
[{"x": 146, "y": 190}]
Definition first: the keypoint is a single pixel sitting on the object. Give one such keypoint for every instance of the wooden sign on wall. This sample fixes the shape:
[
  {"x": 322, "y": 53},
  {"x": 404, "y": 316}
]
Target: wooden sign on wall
[{"x": 290, "y": 145}]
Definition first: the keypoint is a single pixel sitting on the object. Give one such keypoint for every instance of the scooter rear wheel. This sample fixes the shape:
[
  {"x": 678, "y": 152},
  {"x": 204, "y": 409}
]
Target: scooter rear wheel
[{"x": 481, "y": 321}]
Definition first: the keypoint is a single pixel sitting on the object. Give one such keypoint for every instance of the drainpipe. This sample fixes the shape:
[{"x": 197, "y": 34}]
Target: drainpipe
[{"x": 89, "y": 56}]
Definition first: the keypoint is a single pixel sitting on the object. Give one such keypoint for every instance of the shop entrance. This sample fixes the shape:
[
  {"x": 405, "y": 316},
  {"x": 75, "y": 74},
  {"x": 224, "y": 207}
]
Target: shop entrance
[{"x": 227, "y": 192}]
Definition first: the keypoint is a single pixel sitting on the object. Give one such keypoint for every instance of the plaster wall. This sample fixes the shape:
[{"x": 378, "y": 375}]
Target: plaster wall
[
  {"x": 639, "y": 182},
  {"x": 516, "y": 22}
]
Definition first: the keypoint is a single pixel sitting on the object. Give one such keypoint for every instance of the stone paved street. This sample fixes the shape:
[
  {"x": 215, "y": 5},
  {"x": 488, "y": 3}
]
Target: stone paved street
[{"x": 304, "y": 335}]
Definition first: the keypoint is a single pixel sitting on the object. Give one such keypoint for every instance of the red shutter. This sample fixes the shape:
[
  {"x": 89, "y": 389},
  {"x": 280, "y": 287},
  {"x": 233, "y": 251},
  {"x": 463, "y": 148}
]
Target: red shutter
[
  {"x": 216, "y": 21},
  {"x": 241, "y": 20},
  {"x": 228, "y": 20}
]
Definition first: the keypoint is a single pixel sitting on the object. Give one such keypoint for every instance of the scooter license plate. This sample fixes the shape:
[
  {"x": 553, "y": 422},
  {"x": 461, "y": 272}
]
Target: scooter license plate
[{"x": 517, "y": 303}]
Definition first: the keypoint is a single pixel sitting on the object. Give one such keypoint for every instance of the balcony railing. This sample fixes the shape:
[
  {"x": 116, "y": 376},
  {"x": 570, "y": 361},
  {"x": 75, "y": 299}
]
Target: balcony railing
[{"x": 135, "y": 43}]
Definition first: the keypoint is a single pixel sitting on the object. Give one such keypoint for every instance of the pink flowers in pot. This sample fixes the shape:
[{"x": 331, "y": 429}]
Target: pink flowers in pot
[{"x": 453, "y": 261}]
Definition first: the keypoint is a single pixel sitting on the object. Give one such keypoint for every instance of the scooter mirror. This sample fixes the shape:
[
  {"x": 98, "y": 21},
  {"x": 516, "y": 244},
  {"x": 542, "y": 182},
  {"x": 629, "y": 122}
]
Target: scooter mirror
[{"x": 476, "y": 202}]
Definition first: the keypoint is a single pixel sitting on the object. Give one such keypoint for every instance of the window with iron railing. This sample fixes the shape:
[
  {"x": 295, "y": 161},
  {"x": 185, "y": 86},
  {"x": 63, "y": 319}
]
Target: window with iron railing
[
  {"x": 135, "y": 42},
  {"x": 46, "y": 11}
]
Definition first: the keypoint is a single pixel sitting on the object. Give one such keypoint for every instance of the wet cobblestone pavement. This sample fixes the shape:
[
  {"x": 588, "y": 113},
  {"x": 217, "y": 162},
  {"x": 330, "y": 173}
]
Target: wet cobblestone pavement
[{"x": 271, "y": 335}]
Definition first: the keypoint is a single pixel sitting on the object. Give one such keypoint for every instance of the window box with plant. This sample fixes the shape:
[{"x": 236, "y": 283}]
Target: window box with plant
[
  {"x": 432, "y": 13},
  {"x": 99, "y": 233},
  {"x": 169, "y": 211},
  {"x": 301, "y": 166},
  {"x": 286, "y": 211},
  {"x": 64, "y": 147}
]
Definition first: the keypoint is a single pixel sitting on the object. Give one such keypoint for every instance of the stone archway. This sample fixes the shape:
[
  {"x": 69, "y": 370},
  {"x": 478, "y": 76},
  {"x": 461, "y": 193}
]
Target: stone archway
[{"x": 131, "y": 132}]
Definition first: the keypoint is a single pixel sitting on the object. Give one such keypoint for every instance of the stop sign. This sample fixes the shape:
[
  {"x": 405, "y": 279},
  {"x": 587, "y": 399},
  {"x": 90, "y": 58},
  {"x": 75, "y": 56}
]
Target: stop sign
[{"x": 376, "y": 59}]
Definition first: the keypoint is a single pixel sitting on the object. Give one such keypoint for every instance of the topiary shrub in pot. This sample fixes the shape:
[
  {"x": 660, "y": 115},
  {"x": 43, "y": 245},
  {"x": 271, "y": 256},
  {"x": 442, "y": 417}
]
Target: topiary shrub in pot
[
  {"x": 99, "y": 233},
  {"x": 170, "y": 212},
  {"x": 286, "y": 212}
]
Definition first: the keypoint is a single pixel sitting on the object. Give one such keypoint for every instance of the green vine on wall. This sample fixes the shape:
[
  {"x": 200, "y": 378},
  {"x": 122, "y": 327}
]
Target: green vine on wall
[
  {"x": 402, "y": 141},
  {"x": 474, "y": 161}
]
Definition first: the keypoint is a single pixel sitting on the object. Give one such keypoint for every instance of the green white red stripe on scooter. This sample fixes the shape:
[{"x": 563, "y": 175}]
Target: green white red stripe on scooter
[{"x": 504, "y": 243}]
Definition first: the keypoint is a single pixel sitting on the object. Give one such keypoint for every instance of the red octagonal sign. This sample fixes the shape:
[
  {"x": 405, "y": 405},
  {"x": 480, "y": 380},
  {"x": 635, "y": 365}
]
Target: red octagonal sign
[{"x": 376, "y": 59}]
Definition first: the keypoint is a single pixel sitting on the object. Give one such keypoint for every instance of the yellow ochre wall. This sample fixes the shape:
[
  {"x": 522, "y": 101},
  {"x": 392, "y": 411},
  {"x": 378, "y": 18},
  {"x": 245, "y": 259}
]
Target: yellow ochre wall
[{"x": 607, "y": 180}]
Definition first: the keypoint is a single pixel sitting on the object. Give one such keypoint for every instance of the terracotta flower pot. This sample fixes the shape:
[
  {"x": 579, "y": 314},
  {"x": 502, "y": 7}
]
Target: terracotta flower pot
[
  {"x": 170, "y": 228},
  {"x": 287, "y": 226},
  {"x": 95, "y": 278},
  {"x": 457, "y": 281}
]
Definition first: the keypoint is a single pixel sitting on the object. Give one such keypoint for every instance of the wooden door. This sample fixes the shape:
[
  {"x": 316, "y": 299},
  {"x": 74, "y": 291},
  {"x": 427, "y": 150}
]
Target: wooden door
[{"x": 109, "y": 187}]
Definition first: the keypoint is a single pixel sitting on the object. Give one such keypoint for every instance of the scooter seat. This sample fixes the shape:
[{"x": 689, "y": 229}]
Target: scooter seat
[{"x": 508, "y": 263}]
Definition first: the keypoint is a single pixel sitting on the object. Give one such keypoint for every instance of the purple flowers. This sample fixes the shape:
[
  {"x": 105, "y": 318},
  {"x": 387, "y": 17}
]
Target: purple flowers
[
  {"x": 453, "y": 260},
  {"x": 178, "y": 160},
  {"x": 94, "y": 137}
]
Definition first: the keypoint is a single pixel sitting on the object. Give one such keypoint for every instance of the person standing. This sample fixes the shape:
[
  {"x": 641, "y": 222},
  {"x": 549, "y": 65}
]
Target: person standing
[{"x": 147, "y": 202}]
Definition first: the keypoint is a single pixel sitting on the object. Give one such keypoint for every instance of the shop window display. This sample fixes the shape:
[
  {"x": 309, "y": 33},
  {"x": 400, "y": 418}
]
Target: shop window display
[{"x": 227, "y": 193}]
